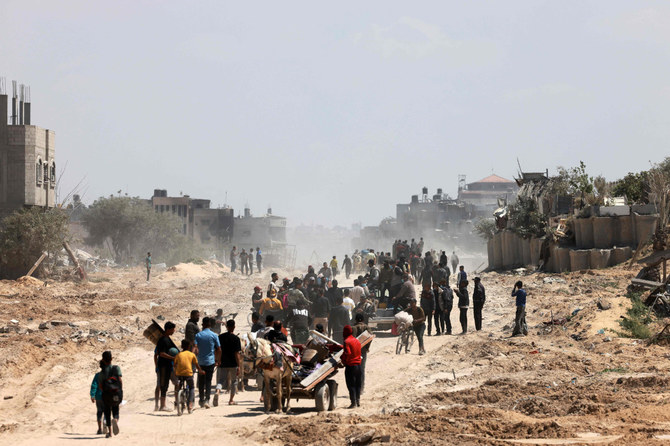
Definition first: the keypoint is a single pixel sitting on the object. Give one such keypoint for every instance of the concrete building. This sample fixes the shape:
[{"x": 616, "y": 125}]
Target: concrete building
[
  {"x": 27, "y": 155},
  {"x": 425, "y": 215},
  {"x": 198, "y": 220},
  {"x": 268, "y": 233},
  {"x": 483, "y": 195}
]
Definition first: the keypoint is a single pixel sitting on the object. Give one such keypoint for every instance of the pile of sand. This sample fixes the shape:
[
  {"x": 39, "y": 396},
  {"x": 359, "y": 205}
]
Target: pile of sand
[
  {"x": 29, "y": 281},
  {"x": 209, "y": 270}
]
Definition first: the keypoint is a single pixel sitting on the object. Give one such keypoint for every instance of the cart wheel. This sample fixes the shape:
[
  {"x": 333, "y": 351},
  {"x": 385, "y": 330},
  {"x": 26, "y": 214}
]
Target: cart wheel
[
  {"x": 322, "y": 397},
  {"x": 332, "y": 387}
]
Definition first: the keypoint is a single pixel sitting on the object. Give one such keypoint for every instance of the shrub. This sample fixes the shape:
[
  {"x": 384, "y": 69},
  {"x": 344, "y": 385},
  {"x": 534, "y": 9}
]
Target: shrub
[{"x": 638, "y": 317}]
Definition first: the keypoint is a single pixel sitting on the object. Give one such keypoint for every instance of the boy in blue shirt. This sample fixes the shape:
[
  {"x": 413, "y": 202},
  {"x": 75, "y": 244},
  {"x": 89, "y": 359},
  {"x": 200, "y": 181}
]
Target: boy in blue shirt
[
  {"x": 520, "y": 327},
  {"x": 96, "y": 397}
]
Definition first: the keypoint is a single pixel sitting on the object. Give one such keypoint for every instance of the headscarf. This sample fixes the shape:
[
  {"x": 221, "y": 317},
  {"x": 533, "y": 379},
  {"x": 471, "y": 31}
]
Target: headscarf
[{"x": 347, "y": 331}]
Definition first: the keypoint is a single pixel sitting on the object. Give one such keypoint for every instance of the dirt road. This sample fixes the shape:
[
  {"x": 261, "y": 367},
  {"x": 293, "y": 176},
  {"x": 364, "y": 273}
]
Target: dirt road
[{"x": 560, "y": 385}]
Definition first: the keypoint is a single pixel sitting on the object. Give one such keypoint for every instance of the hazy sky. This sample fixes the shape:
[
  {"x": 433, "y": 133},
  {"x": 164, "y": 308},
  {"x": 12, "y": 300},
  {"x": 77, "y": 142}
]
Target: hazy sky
[{"x": 334, "y": 112}]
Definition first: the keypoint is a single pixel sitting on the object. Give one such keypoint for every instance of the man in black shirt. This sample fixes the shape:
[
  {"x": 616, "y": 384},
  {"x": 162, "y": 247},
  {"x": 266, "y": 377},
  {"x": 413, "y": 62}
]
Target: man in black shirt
[
  {"x": 299, "y": 321},
  {"x": 231, "y": 362},
  {"x": 192, "y": 328},
  {"x": 337, "y": 319},
  {"x": 333, "y": 293},
  {"x": 256, "y": 324},
  {"x": 321, "y": 308},
  {"x": 165, "y": 360},
  {"x": 478, "y": 299}
]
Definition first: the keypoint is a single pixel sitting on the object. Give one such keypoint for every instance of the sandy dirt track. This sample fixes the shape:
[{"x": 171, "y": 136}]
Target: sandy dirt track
[{"x": 547, "y": 388}]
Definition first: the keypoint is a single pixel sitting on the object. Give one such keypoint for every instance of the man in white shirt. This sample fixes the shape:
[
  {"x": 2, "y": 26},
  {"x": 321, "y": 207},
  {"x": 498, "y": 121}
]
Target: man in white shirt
[
  {"x": 348, "y": 302},
  {"x": 356, "y": 292}
]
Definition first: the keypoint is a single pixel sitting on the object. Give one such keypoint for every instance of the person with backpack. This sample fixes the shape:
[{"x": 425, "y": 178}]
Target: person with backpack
[
  {"x": 96, "y": 397},
  {"x": 112, "y": 392}
]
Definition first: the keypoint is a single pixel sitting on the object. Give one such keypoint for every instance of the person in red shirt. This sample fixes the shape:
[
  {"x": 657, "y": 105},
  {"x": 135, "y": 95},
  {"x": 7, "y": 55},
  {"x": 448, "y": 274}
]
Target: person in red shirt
[{"x": 351, "y": 358}]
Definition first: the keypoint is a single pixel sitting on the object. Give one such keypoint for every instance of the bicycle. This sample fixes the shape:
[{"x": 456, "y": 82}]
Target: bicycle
[
  {"x": 182, "y": 395},
  {"x": 405, "y": 338}
]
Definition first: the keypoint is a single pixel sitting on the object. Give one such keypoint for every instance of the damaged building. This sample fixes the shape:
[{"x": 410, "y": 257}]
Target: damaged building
[
  {"x": 592, "y": 237},
  {"x": 198, "y": 220},
  {"x": 268, "y": 233},
  {"x": 220, "y": 229},
  {"x": 27, "y": 155},
  {"x": 440, "y": 218}
]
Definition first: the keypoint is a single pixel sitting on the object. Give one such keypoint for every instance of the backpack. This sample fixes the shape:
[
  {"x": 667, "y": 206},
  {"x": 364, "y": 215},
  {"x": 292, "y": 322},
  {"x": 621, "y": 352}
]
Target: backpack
[{"x": 112, "y": 391}]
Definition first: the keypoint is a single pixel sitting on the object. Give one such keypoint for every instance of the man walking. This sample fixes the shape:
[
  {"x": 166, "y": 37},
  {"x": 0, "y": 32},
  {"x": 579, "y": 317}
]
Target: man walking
[
  {"x": 461, "y": 276},
  {"x": 165, "y": 361},
  {"x": 147, "y": 263},
  {"x": 418, "y": 323},
  {"x": 520, "y": 327},
  {"x": 463, "y": 304},
  {"x": 299, "y": 321},
  {"x": 337, "y": 319},
  {"x": 346, "y": 264},
  {"x": 351, "y": 358},
  {"x": 231, "y": 365},
  {"x": 244, "y": 269},
  {"x": 454, "y": 262},
  {"x": 333, "y": 266},
  {"x": 209, "y": 352},
  {"x": 259, "y": 259},
  {"x": 438, "y": 299},
  {"x": 448, "y": 302},
  {"x": 478, "y": 299},
  {"x": 358, "y": 329},
  {"x": 428, "y": 306},
  {"x": 192, "y": 326},
  {"x": 250, "y": 261},
  {"x": 233, "y": 259},
  {"x": 321, "y": 308}
]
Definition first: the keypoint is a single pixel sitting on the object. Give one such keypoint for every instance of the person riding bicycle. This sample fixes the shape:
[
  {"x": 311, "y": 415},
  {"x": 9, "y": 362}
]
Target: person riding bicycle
[{"x": 184, "y": 363}]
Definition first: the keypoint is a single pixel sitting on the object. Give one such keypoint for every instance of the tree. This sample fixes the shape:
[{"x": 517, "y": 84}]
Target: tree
[
  {"x": 28, "y": 233},
  {"x": 633, "y": 186},
  {"x": 485, "y": 228},
  {"x": 133, "y": 228},
  {"x": 526, "y": 220}
]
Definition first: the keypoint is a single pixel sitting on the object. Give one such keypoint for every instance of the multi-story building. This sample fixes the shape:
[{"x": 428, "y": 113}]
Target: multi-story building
[
  {"x": 483, "y": 195},
  {"x": 198, "y": 220},
  {"x": 27, "y": 155}
]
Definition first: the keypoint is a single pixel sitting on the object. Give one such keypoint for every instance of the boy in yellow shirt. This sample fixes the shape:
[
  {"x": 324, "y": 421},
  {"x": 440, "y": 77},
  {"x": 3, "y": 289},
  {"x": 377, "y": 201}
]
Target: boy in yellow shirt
[{"x": 183, "y": 365}]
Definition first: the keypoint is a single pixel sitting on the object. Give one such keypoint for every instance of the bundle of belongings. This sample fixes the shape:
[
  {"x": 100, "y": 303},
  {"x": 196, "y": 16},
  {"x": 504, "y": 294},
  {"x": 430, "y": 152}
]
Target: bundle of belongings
[{"x": 403, "y": 320}]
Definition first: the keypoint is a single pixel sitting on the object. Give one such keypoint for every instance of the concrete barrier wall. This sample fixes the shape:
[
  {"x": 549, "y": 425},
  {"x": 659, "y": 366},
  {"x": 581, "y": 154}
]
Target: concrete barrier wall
[
  {"x": 507, "y": 250},
  {"x": 489, "y": 253},
  {"x": 603, "y": 232},
  {"x": 579, "y": 259},
  {"x": 535, "y": 246},
  {"x": 607, "y": 232},
  {"x": 624, "y": 235},
  {"x": 525, "y": 248},
  {"x": 620, "y": 255},
  {"x": 587, "y": 236},
  {"x": 599, "y": 258},
  {"x": 645, "y": 226},
  {"x": 579, "y": 232},
  {"x": 563, "y": 261}
]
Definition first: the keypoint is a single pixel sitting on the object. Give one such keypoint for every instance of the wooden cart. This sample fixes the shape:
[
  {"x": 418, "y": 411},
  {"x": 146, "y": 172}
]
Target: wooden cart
[{"x": 320, "y": 385}]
